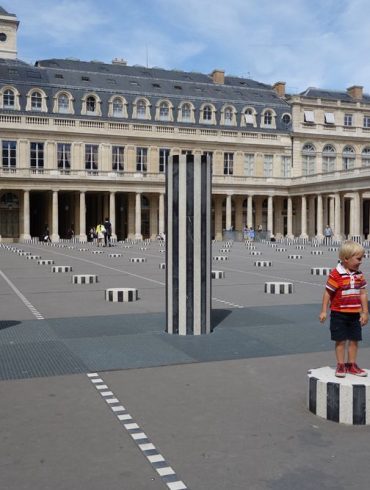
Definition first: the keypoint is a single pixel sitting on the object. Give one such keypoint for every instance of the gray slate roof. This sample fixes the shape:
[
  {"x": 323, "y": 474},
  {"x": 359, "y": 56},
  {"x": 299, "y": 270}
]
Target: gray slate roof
[
  {"x": 4, "y": 12},
  {"x": 317, "y": 93}
]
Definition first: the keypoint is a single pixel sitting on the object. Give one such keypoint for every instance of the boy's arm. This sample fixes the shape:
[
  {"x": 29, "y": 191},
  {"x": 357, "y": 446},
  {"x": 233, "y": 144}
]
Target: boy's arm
[
  {"x": 324, "y": 307},
  {"x": 364, "y": 316}
]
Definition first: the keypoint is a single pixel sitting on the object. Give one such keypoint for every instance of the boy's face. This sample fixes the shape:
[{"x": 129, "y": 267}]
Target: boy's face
[{"x": 354, "y": 262}]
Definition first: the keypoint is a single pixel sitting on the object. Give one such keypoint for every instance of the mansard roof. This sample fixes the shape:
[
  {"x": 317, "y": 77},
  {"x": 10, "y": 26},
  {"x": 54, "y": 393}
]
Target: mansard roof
[
  {"x": 317, "y": 93},
  {"x": 5, "y": 13}
]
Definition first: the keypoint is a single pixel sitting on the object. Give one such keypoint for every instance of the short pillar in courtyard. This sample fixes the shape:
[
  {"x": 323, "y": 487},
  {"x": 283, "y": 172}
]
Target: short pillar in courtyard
[{"x": 188, "y": 237}]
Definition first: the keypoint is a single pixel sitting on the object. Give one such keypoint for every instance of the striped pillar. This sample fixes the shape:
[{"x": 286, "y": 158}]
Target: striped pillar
[{"x": 188, "y": 236}]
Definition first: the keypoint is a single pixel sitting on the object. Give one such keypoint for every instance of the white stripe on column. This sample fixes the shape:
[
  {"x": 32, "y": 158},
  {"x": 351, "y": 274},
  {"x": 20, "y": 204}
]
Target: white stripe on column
[
  {"x": 346, "y": 404},
  {"x": 321, "y": 399}
]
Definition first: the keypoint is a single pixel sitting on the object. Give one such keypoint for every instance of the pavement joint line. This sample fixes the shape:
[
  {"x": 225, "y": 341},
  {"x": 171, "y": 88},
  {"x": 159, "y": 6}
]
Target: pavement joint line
[
  {"x": 25, "y": 301},
  {"x": 142, "y": 441}
]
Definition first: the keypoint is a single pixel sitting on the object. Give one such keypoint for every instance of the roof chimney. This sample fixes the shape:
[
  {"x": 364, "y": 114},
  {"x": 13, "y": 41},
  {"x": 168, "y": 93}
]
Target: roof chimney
[
  {"x": 356, "y": 92},
  {"x": 218, "y": 76},
  {"x": 119, "y": 61},
  {"x": 279, "y": 88}
]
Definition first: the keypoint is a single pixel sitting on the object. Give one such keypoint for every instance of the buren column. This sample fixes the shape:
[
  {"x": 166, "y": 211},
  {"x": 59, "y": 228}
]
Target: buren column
[{"x": 188, "y": 237}]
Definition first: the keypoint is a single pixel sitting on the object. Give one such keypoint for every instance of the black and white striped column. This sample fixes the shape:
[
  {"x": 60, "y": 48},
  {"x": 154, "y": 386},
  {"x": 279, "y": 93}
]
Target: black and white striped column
[{"x": 188, "y": 234}]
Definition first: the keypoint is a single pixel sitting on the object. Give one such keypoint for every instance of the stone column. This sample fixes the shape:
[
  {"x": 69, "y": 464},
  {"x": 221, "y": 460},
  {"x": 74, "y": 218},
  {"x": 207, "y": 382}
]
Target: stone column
[
  {"x": 26, "y": 217},
  {"x": 239, "y": 213},
  {"x": 331, "y": 212},
  {"x": 55, "y": 218},
  {"x": 138, "y": 235},
  {"x": 112, "y": 213},
  {"x": 319, "y": 231},
  {"x": 188, "y": 272},
  {"x": 161, "y": 213},
  {"x": 250, "y": 211},
  {"x": 304, "y": 217},
  {"x": 153, "y": 217},
  {"x": 311, "y": 216},
  {"x": 270, "y": 215},
  {"x": 83, "y": 237},
  {"x": 290, "y": 218},
  {"x": 228, "y": 212},
  {"x": 218, "y": 217},
  {"x": 337, "y": 218},
  {"x": 355, "y": 216}
]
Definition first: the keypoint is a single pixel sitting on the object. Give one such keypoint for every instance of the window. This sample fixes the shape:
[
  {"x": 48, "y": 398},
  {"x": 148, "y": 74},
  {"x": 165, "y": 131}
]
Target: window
[
  {"x": 91, "y": 158},
  {"x": 309, "y": 117},
  {"x": 308, "y": 159},
  {"x": 37, "y": 156},
  {"x": 117, "y": 107},
  {"x": 267, "y": 118},
  {"x": 228, "y": 116},
  {"x": 286, "y": 118},
  {"x": 329, "y": 118},
  {"x": 64, "y": 157},
  {"x": 9, "y": 99},
  {"x": 328, "y": 158},
  {"x": 207, "y": 113},
  {"x": 267, "y": 165},
  {"x": 286, "y": 166},
  {"x": 348, "y": 119},
  {"x": 249, "y": 164},
  {"x": 9, "y": 155},
  {"x": 164, "y": 154},
  {"x": 186, "y": 113},
  {"x": 141, "y": 109},
  {"x": 228, "y": 163},
  {"x": 90, "y": 104},
  {"x": 249, "y": 117},
  {"x": 118, "y": 153},
  {"x": 366, "y": 121},
  {"x": 164, "y": 111},
  {"x": 63, "y": 103},
  {"x": 36, "y": 101},
  {"x": 348, "y": 158},
  {"x": 366, "y": 157},
  {"x": 141, "y": 159}
]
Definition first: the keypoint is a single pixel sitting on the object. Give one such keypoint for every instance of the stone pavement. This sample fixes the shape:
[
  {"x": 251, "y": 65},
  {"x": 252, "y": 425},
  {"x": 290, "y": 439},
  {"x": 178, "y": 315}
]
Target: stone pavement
[{"x": 225, "y": 411}]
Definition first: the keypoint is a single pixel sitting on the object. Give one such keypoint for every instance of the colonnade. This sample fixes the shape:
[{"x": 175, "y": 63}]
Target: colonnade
[{"x": 290, "y": 216}]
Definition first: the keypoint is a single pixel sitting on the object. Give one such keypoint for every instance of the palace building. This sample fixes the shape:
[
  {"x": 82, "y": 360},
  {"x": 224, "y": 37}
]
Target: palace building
[{"x": 83, "y": 140}]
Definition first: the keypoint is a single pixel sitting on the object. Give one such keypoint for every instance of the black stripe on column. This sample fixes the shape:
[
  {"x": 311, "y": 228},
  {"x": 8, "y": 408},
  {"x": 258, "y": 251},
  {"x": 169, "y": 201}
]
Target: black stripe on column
[
  {"x": 332, "y": 397},
  {"x": 190, "y": 244},
  {"x": 204, "y": 219},
  {"x": 312, "y": 395},
  {"x": 175, "y": 242},
  {"x": 110, "y": 295},
  {"x": 359, "y": 405}
]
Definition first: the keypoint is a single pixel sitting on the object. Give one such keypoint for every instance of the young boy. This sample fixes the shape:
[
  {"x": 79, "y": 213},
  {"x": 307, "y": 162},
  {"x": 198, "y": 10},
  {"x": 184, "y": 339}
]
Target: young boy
[{"x": 346, "y": 291}]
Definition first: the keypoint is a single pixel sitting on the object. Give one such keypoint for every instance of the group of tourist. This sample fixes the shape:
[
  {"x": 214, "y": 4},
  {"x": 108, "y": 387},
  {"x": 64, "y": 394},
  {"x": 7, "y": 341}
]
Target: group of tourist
[{"x": 102, "y": 234}]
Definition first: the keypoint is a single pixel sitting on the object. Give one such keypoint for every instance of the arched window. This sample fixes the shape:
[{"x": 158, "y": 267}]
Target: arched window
[
  {"x": 308, "y": 159},
  {"x": 186, "y": 113},
  {"x": 329, "y": 156},
  {"x": 63, "y": 103},
  {"x": 141, "y": 109},
  {"x": 9, "y": 99},
  {"x": 117, "y": 107},
  {"x": 366, "y": 157},
  {"x": 267, "y": 118},
  {"x": 228, "y": 116},
  {"x": 207, "y": 113},
  {"x": 91, "y": 104},
  {"x": 36, "y": 101},
  {"x": 164, "y": 111},
  {"x": 348, "y": 158},
  {"x": 249, "y": 116}
]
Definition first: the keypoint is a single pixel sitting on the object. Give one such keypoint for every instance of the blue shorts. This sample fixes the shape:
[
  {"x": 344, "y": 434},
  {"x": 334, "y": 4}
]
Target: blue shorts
[{"x": 345, "y": 326}]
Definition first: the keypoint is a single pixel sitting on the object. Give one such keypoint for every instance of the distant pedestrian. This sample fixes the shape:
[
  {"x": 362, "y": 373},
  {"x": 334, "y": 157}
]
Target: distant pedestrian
[
  {"x": 328, "y": 233},
  {"x": 108, "y": 232},
  {"x": 100, "y": 231}
]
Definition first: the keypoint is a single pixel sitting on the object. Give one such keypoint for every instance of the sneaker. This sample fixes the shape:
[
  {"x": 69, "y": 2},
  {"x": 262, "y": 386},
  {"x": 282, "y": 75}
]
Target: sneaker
[
  {"x": 354, "y": 369},
  {"x": 340, "y": 371}
]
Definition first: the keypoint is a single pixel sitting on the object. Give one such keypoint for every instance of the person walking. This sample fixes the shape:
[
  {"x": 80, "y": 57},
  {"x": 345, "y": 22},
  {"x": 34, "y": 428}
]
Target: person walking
[{"x": 108, "y": 232}]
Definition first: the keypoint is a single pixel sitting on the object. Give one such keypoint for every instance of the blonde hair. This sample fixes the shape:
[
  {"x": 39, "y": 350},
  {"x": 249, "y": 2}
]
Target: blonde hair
[{"x": 350, "y": 248}]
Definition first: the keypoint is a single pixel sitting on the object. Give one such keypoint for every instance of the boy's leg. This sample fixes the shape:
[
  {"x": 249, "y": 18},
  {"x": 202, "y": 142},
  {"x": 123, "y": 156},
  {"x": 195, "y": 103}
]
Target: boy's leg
[
  {"x": 352, "y": 351},
  {"x": 340, "y": 348}
]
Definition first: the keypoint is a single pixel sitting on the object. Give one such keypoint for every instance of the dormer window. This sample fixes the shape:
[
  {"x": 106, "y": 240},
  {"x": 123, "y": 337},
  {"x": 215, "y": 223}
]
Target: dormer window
[
  {"x": 9, "y": 99},
  {"x": 164, "y": 111},
  {"x": 186, "y": 113},
  {"x": 63, "y": 103},
  {"x": 36, "y": 101},
  {"x": 141, "y": 109},
  {"x": 249, "y": 117},
  {"x": 207, "y": 113},
  {"x": 91, "y": 104},
  {"x": 267, "y": 118},
  {"x": 117, "y": 107}
]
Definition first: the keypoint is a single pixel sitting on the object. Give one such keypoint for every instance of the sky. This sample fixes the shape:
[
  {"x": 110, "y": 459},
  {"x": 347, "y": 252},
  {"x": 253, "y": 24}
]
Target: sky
[{"x": 305, "y": 43}]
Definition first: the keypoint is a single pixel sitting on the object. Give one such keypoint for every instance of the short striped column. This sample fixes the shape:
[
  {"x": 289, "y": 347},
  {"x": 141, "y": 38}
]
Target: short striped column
[
  {"x": 220, "y": 257},
  {"x": 218, "y": 274},
  {"x": 114, "y": 256},
  {"x": 188, "y": 236},
  {"x": 263, "y": 263},
  {"x": 300, "y": 247},
  {"x": 317, "y": 252},
  {"x": 33, "y": 257},
  {"x": 45, "y": 262},
  {"x": 162, "y": 265},
  {"x": 137, "y": 259},
  {"x": 278, "y": 287},
  {"x": 280, "y": 249},
  {"x": 294, "y": 257},
  {"x": 61, "y": 268},
  {"x": 120, "y": 295},
  {"x": 256, "y": 252},
  {"x": 343, "y": 400},
  {"x": 320, "y": 271},
  {"x": 84, "y": 278}
]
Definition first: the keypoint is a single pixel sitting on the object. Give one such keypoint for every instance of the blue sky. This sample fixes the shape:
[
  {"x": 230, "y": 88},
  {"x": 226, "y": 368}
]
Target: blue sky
[{"x": 319, "y": 43}]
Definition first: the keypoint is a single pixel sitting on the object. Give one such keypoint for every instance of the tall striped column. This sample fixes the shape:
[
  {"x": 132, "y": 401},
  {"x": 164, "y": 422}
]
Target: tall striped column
[{"x": 188, "y": 237}]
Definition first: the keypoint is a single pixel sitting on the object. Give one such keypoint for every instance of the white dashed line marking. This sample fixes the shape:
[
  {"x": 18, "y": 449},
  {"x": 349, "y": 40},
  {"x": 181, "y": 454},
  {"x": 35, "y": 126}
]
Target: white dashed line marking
[{"x": 153, "y": 456}]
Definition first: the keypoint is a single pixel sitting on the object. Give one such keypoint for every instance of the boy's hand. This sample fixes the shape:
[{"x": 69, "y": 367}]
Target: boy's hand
[
  {"x": 322, "y": 316},
  {"x": 364, "y": 318}
]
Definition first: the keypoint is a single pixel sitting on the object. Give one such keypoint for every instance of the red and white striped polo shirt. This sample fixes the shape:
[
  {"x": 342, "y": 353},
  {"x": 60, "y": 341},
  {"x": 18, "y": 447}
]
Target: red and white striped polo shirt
[{"x": 344, "y": 288}]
